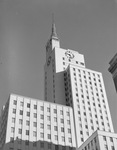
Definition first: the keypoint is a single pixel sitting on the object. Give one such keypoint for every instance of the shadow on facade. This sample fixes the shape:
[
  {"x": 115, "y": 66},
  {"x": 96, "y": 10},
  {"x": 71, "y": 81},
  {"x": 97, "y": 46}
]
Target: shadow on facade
[{"x": 19, "y": 144}]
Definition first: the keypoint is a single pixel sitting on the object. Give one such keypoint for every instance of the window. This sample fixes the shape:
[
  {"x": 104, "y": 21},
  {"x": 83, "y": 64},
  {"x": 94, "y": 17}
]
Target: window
[
  {"x": 62, "y": 129},
  {"x": 42, "y": 125},
  {"x": 35, "y": 106},
  {"x": 21, "y": 112},
  {"x": 56, "y": 147},
  {"x": 79, "y": 112},
  {"x": 34, "y": 133},
  {"x": 41, "y": 144},
  {"x": 95, "y": 116},
  {"x": 95, "y": 139},
  {"x": 15, "y": 102},
  {"x": 48, "y": 109},
  {"x": 111, "y": 139},
  {"x": 20, "y": 121},
  {"x": 35, "y": 115},
  {"x": 91, "y": 121},
  {"x": 49, "y": 145},
  {"x": 28, "y": 114},
  {"x": 19, "y": 141},
  {"x": 34, "y": 144},
  {"x": 48, "y": 118},
  {"x": 48, "y": 127},
  {"x": 56, "y": 137},
  {"x": 101, "y": 117},
  {"x": 55, "y": 119},
  {"x": 21, "y": 104},
  {"x": 11, "y": 139},
  {"x": 104, "y": 138},
  {"x": 55, "y": 111},
  {"x": 67, "y": 113},
  {"x": 63, "y": 138},
  {"x": 35, "y": 124},
  {"x": 89, "y": 146},
  {"x": 27, "y": 132},
  {"x": 20, "y": 131},
  {"x": 13, "y": 120},
  {"x": 26, "y": 142},
  {"x": 42, "y": 108},
  {"x": 89, "y": 109},
  {"x": 69, "y": 130},
  {"x": 85, "y": 148},
  {"x": 42, "y": 116},
  {"x": 42, "y": 135},
  {"x": 70, "y": 140},
  {"x": 87, "y": 133},
  {"x": 62, "y": 120},
  {"x": 55, "y": 128},
  {"x": 112, "y": 147},
  {"x": 49, "y": 136},
  {"x": 85, "y": 113},
  {"x": 61, "y": 112},
  {"x": 12, "y": 129},
  {"x": 14, "y": 111},
  {"x": 106, "y": 147},
  {"x": 28, "y": 105},
  {"x": 27, "y": 123},
  {"x": 68, "y": 121},
  {"x": 63, "y": 148}
]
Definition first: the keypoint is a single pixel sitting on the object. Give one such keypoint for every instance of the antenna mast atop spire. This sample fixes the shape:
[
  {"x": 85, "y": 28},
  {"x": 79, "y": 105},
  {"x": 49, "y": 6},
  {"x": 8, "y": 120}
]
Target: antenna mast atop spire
[{"x": 54, "y": 34}]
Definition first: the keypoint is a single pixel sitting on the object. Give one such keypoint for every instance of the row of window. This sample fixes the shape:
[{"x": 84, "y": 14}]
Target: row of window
[
  {"x": 89, "y": 73},
  {"x": 42, "y": 108},
  {"x": 42, "y": 117},
  {"x": 41, "y": 126}
]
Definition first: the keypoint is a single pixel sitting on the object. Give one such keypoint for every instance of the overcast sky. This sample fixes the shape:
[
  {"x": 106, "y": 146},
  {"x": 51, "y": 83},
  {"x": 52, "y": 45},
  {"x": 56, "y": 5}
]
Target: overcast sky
[{"x": 87, "y": 26}]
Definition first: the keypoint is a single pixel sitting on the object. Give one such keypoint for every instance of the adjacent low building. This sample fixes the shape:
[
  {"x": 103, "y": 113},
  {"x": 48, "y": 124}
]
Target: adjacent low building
[
  {"x": 30, "y": 120},
  {"x": 100, "y": 140}
]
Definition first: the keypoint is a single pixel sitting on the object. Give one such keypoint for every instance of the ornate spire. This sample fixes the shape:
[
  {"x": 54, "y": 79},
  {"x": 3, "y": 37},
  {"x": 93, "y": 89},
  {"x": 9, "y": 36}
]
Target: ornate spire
[{"x": 54, "y": 34}]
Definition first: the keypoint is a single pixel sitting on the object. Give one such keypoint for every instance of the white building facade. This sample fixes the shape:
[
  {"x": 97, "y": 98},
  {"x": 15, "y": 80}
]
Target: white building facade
[
  {"x": 34, "y": 122},
  {"x": 85, "y": 92}
]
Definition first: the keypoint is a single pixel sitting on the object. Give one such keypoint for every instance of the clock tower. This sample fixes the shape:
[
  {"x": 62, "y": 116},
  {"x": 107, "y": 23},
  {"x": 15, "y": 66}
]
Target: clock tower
[{"x": 57, "y": 61}]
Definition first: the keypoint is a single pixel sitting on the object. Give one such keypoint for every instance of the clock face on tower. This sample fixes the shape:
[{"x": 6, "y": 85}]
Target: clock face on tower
[{"x": 69, "y": 54}]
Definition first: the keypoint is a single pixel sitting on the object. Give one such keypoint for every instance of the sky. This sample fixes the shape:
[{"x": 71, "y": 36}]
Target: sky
[{"x": 87, "y": 26}]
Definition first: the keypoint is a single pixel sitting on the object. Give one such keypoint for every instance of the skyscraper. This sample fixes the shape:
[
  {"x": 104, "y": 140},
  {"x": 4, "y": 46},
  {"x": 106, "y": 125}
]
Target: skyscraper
[
  {"x": 69, "y": 82},
  {"x": 75, "y": 113},
  {"x": 113, "y": 69}
]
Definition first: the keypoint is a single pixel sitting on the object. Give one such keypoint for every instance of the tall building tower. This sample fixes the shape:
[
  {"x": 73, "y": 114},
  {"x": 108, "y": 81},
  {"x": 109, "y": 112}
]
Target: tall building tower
[
  {"x": 113, "y": 69},
  {"x": 57, "y": 60},
  {"x": 69, "y": 82}
]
